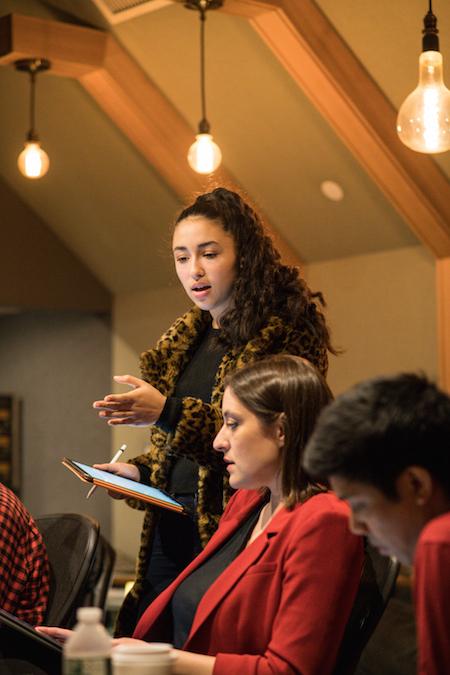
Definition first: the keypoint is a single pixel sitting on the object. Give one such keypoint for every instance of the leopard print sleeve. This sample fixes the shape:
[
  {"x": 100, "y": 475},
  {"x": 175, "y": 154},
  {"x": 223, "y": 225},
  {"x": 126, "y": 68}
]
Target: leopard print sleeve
[{"x": 193, "y": 437}]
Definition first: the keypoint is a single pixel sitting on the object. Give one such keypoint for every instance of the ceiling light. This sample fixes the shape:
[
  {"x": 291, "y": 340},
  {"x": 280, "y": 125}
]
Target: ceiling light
[
  {"x": 332, "y": 190},
  {"x": 423, "y": 122},
  {"x": 33, "y": 161},
  {"x": 204, "y": 155}
]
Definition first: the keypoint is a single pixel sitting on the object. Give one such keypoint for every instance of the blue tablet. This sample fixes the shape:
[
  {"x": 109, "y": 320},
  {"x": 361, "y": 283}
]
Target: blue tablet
[{"x": 124, "y": 486}]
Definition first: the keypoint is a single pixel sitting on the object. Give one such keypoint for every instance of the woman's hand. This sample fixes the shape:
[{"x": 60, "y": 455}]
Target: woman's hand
[
  {"x": 140, "y": 407},
  {"x": 60, "y": 634},
  {"x": 120, "y": 469},
  {"x": 188, "y": 663}
]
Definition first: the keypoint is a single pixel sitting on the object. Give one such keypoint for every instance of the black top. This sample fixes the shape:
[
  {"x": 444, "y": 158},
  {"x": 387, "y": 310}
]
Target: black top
[
  {"x": 197, "y": 380},
  {"x": 176, "y": 540},
  {"x": 187, "y": 597}
]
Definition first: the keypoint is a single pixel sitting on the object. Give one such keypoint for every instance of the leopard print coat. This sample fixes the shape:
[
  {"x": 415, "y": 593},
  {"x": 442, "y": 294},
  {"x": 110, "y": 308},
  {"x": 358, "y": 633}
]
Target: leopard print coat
[{"x": 199, "y": 423}]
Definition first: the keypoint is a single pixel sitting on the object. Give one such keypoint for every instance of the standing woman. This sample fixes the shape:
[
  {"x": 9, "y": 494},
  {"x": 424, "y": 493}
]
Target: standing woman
[{"x": 247, "y": 305}]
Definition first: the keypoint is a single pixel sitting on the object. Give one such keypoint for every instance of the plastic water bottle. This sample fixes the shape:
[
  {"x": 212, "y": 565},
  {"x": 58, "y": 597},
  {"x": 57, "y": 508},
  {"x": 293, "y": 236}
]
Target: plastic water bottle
[{"x": 88, "y": 650}]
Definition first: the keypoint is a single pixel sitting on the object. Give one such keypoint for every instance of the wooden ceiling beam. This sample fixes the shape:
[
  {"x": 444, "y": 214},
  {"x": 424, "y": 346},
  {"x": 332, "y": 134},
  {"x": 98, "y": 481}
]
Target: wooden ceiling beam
[
  {"x": 125, "y": 93},
  {"x": 443, "y": 320},
  {"x": 331, "y": 76},
  {"x": 72, "y": 50}
]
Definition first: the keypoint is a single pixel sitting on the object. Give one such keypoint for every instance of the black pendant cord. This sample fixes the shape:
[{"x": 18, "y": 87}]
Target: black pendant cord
[
  {"x": 32, "y": 67},
  {"x": 430, "y": 39},
  {"x": 202, "y": 6},
  {"x": 32, "y": 136},
  {"x": 203, "y": 126}
]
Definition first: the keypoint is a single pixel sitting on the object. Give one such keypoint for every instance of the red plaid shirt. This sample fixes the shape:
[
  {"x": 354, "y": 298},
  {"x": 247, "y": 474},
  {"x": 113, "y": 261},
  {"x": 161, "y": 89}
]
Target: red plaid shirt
[{"x": 24, "y": 569}]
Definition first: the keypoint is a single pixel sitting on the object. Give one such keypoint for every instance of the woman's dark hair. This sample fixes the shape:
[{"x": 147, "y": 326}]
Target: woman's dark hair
[
  {"x": 264, "y": 287},
  {"x": 291, "y": 387}
]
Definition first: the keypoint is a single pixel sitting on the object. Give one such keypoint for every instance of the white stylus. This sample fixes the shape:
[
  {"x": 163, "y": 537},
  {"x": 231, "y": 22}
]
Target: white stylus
[{"x": 114, "y": 459}]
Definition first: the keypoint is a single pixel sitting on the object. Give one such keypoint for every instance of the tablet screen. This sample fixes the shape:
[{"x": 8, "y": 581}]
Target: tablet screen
[{"x": 126, "y": 483}]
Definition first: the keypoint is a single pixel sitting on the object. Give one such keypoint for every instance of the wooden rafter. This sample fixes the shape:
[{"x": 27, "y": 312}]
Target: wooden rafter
[
  {"x": 72, "y": 50},
  {"x": 443, "y": 324},
  {"x": 124, "y": 91}
]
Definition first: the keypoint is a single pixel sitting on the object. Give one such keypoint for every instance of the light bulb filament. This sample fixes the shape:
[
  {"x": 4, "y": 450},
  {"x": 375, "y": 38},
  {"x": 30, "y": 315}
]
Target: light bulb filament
[
  {"x": 33, "y": 162},
  {"x": 431, "y": 118}
]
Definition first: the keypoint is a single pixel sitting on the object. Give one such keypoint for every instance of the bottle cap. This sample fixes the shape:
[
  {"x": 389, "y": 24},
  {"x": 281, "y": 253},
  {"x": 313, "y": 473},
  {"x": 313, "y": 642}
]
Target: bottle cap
[{"x": 89, "y": 614}]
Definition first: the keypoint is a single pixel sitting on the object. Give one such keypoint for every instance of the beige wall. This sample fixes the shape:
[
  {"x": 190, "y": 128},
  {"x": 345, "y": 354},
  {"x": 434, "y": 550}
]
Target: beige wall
[
  {"x": 37, "y": 270},
  {"x": 138, "y": 321},
  {"x": 382, "y": 312}
]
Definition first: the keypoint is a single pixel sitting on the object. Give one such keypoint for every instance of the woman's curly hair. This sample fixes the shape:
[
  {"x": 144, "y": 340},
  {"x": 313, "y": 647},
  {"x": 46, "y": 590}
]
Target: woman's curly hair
[{"x": 264, "y": 287}]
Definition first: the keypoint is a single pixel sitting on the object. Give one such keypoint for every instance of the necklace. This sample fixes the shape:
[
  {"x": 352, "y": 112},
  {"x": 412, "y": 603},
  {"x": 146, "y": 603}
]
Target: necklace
[{"x": 268, "y": 511}]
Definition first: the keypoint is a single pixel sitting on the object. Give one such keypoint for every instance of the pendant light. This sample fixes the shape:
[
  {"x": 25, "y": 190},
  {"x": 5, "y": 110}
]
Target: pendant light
[
  {"x": 423, "y": 122},
  {"x": 204, "y": 155},
  {"x": 33, "y": 161}
]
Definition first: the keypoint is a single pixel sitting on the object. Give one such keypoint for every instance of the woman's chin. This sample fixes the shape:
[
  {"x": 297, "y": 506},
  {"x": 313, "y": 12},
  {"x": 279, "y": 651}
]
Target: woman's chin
[
  {"x": 242, "y": 484},
  {"x": 237, "y": 483}
]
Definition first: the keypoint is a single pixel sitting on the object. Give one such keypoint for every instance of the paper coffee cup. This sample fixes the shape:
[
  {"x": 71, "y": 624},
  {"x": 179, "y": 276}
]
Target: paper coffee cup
[{"x": 153, "y": 658}]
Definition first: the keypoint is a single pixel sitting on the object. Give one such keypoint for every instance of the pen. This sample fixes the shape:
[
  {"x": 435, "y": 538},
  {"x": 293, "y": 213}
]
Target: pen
[{"x": 114, "y": 459}]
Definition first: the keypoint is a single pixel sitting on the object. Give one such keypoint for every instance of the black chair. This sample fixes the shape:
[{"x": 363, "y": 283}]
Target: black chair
[
  {"x": 100, "y": 576},
  {"x": 376, "y": 587},
  {"x": 71, "y": 540}
]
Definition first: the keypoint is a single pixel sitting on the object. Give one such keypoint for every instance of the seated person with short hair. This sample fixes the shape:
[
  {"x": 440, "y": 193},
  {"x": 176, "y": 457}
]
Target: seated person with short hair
[
  {"x": 385, "y": 448},
  {"x": 273, "y": 589},
  {"x": 24, "y": 568}
]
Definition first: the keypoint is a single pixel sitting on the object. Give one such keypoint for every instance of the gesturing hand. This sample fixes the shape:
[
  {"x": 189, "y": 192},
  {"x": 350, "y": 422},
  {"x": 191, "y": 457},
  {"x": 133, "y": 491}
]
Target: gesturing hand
[{"x": 139, "y": 407}]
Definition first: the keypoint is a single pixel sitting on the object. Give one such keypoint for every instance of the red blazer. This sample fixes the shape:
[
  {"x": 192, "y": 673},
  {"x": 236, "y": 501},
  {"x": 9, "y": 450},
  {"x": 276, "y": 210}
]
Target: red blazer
[{"x": 282, "y": 605}]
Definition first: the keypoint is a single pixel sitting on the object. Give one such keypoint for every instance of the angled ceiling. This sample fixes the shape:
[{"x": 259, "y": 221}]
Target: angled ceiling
[{"x": 111, "y": 192}]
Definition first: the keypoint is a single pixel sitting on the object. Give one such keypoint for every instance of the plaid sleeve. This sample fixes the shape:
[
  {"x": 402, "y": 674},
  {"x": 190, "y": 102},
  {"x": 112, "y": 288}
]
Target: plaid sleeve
[{"x": 24, "y": 569}]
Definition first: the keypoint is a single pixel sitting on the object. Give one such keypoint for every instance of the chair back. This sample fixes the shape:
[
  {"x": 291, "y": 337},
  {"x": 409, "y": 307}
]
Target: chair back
[
  {"x": 100, "y": 576},
  {"x": 376, "y": 587},
  {"x": 71, "y": 541}
]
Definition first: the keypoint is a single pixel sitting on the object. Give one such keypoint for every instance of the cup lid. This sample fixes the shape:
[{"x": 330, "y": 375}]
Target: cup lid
[{"x": 149, "y": 648}]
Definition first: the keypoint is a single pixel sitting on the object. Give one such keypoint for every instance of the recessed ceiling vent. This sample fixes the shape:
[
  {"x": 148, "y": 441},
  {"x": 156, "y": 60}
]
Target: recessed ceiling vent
[{"x": 116, "y": 11}]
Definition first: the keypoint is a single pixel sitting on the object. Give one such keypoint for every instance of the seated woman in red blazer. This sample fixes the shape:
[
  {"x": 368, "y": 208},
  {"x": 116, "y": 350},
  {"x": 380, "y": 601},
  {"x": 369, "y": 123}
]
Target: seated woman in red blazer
[{"x": 273, "y": 589}]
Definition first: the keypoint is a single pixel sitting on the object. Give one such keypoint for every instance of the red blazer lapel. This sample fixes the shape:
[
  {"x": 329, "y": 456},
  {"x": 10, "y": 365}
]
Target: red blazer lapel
[
  {"x": 228, "y": 525},
  {"x": 224, "y": 584}
]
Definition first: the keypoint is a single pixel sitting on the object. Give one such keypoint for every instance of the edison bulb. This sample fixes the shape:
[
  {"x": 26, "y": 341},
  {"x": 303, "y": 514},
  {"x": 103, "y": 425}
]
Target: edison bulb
[
  {"x": 423, "y": 122},
  {"x": 204, "y": 155},
  {"x": 33, "y": 162}
]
